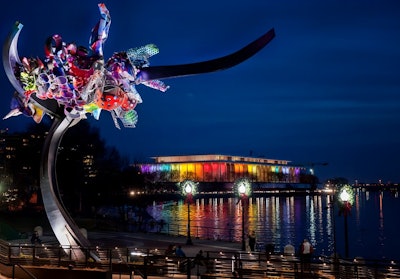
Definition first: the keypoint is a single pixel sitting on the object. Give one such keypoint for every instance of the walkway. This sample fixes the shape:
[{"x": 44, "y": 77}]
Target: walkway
[{"x": 222, "y": 253}]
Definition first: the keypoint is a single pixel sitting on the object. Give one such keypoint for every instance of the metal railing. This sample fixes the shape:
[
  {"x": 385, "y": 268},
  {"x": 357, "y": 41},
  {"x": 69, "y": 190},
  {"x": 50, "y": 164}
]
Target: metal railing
[{"x": 215, "y": 264}]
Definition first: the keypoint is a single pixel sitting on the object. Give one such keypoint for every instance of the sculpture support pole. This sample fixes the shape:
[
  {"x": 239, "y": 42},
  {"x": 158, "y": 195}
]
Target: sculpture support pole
[{"x": 64, "y": 228}]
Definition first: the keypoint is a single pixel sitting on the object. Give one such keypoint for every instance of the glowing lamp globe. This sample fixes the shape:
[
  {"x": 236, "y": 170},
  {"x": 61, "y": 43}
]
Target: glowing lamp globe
[
  {"x": 344, "y": 195},
  {"x": 188, "y": 188},
  {"x": 242, "y": 189}
]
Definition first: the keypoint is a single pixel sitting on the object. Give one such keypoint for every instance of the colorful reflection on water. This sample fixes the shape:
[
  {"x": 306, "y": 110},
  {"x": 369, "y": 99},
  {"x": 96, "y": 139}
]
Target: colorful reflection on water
[{"x": 282, "y": 220}]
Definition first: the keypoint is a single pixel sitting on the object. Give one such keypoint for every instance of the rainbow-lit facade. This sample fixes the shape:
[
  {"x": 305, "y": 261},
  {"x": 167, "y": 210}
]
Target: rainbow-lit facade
[{"x": 222, "y": 168}]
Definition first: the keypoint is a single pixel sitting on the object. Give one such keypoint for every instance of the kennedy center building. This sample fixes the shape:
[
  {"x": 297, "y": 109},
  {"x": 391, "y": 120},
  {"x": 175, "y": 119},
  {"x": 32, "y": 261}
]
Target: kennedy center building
[{"x": 223, "y": 169}]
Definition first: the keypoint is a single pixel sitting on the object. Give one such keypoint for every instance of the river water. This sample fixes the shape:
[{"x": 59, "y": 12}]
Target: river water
[{"x": 373, "y": 224}]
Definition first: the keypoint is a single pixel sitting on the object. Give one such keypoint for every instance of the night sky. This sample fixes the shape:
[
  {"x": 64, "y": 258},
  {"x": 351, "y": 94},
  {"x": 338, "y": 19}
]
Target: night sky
[{"x": 326, "y": 89}]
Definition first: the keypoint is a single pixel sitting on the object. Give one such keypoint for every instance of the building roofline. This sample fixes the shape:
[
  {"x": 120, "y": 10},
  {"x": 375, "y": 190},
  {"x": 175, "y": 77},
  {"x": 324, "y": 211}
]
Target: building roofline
[{"x": 217, "y": 158}]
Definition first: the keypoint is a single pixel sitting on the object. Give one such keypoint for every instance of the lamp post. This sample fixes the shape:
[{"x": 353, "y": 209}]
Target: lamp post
[
  {"x": 332, "y": 201},
  {"x": 346, "y": 198},
  {"x": 188, "y": 190},
  {"x": 334, "y": 229},
  {"x": 243, "y": 190}
]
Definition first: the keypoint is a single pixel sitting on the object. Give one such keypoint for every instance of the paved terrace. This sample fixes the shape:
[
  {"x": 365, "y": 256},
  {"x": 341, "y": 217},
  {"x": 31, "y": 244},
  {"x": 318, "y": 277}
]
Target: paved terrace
[{"x": 149, "y": 261}]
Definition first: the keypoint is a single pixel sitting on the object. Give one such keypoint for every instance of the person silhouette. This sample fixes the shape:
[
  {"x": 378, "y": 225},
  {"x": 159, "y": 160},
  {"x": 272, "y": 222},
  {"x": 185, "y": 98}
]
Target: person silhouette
[
  {"x": 306, "y": 250},
  {"x": 252, "y": 240}
]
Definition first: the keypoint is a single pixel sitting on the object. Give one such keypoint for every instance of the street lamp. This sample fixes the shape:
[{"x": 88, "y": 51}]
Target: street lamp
[
  {"x": 346, "y": 199},
  {"x": 243, "y": 191},
  {"x": 188, "y": 188},
  {"x": 332, "y": 201}
]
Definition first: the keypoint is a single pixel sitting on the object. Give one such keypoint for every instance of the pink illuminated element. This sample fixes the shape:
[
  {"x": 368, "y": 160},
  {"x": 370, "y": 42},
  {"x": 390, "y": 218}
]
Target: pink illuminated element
[
  {"x": 215, "y": 167},
  {"x": 207, "y": 168},
  {"x": 223, "y": 170}
]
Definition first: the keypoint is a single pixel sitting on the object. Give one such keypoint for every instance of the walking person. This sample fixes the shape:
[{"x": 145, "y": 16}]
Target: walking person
[
  {"x": 306, "y": 250},
  {"x": 35, "y": 238},
  {"x": 252, "y": 240}
]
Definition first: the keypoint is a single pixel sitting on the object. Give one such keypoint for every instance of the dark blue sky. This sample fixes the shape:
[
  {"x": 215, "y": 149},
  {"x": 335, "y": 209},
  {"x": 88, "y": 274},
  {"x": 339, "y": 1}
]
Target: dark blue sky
[{"x": 326, "y": 89}]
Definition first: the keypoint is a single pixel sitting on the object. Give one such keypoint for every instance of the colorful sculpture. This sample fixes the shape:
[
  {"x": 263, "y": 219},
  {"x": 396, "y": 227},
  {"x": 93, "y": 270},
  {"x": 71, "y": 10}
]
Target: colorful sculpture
[
  {"x": 75, "y": 81},
  {"x": 72, "y": 81}
]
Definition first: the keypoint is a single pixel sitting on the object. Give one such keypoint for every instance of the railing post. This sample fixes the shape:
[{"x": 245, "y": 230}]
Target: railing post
[
  {"x": 236, "y": 261},
  {"x": 188, "y": 268},
  {"x": 87, "y": 254},
  {"x": 33, "y": 254},
  {"x": 110, "y": 258},
  {"x": 376, "y": 269},
  {"x": 59, "y": 255},
  {"x": 356, "y": 269},
  {"x": 145, "y": 268},
  {"x": 9, "y": 253}
]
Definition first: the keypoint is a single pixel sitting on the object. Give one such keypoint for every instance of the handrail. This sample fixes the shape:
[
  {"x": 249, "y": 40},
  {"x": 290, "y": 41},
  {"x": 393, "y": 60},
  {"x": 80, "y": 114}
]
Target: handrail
[
  {"x": 24, "y": 270},
  {"x": 138, "y": 260}
]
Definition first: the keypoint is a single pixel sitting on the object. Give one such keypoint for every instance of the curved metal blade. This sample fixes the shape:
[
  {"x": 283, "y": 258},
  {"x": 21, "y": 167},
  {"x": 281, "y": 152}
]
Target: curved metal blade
[
  {"x": 162, "y": 72},
  {"x": 11, "y": 59}
]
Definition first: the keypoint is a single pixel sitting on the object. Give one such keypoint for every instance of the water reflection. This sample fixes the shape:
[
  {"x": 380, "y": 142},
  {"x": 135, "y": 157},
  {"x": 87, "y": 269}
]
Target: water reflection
[
  {"x": 381, "y": 227},
  {"x": 282, "y": 220}
]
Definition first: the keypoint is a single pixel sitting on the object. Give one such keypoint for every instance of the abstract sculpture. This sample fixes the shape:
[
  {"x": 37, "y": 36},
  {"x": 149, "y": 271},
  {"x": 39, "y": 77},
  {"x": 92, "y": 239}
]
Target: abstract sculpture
[{"x": 72, "y": 81}]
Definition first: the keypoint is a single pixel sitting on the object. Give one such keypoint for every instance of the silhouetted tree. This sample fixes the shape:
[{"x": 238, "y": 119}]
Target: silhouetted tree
[
  {"x": 89, "y": 172},
  {"x": 310, "y": 179}
]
